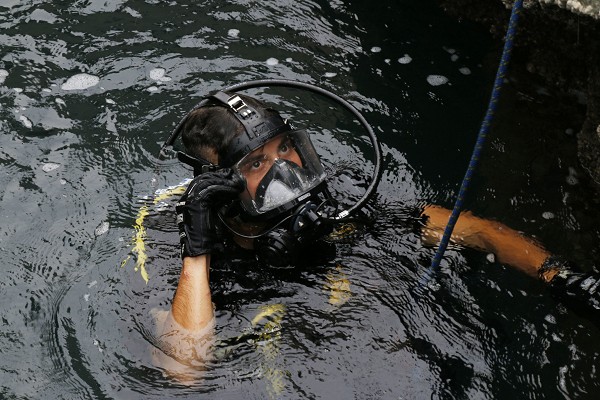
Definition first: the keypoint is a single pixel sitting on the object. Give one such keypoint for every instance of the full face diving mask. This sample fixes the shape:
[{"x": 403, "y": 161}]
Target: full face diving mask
[{"x": 278, "y": 173}]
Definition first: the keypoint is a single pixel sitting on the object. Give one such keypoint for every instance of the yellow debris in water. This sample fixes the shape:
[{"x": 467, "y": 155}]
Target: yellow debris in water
[
  {"x": 338, "y": 286},
  {"x": 268, "y": 346},
  {"x": 139, "y": 244},
  {"x": 273, "y": 312}
]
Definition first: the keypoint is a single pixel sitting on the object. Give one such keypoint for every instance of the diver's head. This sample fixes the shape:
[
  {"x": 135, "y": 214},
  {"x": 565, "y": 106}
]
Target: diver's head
[{"x": 278, "y": 164}]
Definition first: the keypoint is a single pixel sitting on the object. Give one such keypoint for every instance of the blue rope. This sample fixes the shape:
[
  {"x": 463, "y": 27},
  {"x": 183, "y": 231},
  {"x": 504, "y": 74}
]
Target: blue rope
[{"x": 483, "y": 132}]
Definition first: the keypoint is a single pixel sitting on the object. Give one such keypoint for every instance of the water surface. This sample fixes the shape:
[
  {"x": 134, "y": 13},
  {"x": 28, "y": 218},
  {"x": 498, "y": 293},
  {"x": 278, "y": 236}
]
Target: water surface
[{"x": 79, "y": 160}]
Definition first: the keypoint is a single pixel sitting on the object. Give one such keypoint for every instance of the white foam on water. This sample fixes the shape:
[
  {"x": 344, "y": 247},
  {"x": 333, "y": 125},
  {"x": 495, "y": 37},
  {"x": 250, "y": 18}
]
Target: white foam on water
[
  {"x": 109, "y": 101},
  {"x": 329, "y": 74},
  {"x": 25, "y": 121},
  {"x": 9, "y": 3},
  {"x": 92, "y": 284},
  {"x": 152, "y": 89},
  {"x": 375, "y": 49},
  {"x": 547, "y": 215},
  {"x": 46, "y": 90},
  {"x": 289, "y": 59},
  {"x": 48, "y": 167},
  {"x": 86, "y": 297},
  {"x": 233, "y": 33},
  {"x": 97, "y": 344},
  {"x": 40, "y": 15},
  {"x": 132, "y": 12},
  {"x": 157, "y": 74},
  {"x": 60, "y": 101},
  {"x": 272, "y": 61},
  {"x": 437, "y": 80},
  {"x": 80, "y": 82},
  {"x": 102, "y": 228},
  {"x": 3, "y": 75},
  {"x": 454, "y": 57},
  {"x": 449, "y": 50},
  {"x": 551, "y": 319},
  {"x": 18, "y": 90},
  {"x": 491, "y": 257},
  {"x": 162, "y": 206},
  {"x": 465, "y": 71},
  {"x": 63, "y": 182},
  {"x": 405, "y": 59}
]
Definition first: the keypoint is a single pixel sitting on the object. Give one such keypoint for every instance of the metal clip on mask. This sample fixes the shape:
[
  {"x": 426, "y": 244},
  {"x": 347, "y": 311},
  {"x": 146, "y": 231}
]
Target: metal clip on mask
[{"x": 286, "y": 186}]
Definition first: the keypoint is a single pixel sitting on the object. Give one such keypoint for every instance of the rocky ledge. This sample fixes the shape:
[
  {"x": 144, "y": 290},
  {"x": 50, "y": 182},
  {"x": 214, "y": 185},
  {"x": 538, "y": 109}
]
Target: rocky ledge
[
  {"x": 589, "y": 8},
  {"x": 560, "y": 41}
]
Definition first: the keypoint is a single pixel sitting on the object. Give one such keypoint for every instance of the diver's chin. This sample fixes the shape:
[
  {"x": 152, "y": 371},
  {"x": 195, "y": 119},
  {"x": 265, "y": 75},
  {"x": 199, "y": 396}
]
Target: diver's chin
[
  {"x": 246, "y": 229},
  {"x": 244, "y": 243}
]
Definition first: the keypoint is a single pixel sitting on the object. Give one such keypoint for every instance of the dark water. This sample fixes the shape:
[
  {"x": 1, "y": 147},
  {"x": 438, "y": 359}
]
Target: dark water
[{"x": 77, "y": 165}]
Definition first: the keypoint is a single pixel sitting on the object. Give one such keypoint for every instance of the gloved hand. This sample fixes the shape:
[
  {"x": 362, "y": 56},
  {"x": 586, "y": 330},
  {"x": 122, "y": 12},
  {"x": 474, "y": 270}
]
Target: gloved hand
[{"x": 197, "y": 207}]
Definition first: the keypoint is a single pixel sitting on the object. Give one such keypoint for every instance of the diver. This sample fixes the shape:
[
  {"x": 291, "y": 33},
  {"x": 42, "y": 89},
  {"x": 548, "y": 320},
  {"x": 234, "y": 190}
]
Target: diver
[{"x": 260, "y": 183}]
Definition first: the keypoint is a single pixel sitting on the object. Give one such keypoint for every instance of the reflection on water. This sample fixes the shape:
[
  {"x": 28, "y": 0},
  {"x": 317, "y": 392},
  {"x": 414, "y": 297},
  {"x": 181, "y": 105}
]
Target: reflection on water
[{"x": 88, "y": 92}]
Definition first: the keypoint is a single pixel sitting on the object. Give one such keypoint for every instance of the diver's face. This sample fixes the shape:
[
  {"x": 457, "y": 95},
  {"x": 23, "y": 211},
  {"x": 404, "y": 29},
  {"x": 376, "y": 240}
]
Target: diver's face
[{"x": 256, "y": 164}]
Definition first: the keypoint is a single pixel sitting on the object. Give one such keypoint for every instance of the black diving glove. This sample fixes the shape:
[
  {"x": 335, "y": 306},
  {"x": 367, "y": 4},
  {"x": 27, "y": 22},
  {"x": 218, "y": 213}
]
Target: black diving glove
[{"x": 197, "y": 207}]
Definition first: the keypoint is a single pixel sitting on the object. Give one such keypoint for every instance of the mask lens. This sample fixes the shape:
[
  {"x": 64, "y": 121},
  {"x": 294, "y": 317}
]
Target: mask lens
[{"x": 278, "y": 172}]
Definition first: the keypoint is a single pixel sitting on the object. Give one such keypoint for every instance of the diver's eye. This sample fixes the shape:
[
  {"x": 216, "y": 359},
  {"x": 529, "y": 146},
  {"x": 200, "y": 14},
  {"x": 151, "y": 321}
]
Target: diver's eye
[
  {"x": 285, "y": 147},
  {"x": 256, "y": 164}
]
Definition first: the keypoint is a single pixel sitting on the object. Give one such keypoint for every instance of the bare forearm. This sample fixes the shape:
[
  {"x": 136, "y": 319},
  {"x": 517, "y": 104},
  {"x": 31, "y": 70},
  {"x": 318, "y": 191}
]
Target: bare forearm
[
  {"x": 509, "y": 246},
  {"x": 192, "y": 305}
]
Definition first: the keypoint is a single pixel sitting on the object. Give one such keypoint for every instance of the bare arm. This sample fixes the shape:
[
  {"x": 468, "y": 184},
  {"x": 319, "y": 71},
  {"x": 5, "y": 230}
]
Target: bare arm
[
  {"x": 192, "y": 305},
  {"x": 509, "y": 246},
  {"x": 186, "y": 332}
]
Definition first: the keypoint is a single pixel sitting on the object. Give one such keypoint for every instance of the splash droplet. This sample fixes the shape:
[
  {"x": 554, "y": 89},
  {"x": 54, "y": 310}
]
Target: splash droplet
[{"x": 272, "y": 61}]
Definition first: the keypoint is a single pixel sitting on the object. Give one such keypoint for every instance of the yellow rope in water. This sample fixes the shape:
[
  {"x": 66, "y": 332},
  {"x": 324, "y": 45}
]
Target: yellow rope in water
[{"x": 139, "y": 244}]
